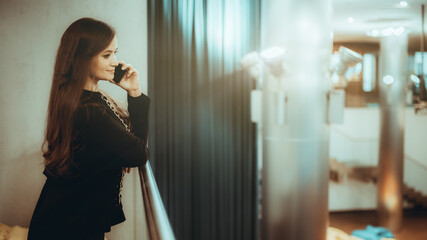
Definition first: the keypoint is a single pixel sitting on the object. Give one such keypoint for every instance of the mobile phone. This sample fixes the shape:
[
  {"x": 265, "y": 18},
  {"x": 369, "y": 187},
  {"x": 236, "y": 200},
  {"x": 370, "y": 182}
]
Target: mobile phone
[{"x": 118, "y": 73}]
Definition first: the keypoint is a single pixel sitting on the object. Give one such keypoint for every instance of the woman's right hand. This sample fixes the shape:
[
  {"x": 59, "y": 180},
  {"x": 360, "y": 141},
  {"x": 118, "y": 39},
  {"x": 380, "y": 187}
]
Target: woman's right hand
[{"x": 130, "y": 81}]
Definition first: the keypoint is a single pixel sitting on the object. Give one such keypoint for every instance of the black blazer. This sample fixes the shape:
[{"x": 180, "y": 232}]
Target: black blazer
[{"x": 72, "y": 208}]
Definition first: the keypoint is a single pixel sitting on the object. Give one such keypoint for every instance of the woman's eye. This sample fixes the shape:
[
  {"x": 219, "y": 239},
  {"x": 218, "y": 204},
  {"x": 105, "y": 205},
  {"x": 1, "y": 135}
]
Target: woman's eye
[{"x": 108, "y": 55}]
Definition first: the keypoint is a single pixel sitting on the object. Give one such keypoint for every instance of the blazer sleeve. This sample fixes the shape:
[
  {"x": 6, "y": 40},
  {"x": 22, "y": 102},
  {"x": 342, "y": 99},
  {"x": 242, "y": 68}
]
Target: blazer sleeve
[{"x": 101, "y": 129}]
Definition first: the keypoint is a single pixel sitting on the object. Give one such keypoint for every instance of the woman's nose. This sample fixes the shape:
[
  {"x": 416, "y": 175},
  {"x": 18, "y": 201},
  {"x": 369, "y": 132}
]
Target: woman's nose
[{"x": 115, "y": 62}]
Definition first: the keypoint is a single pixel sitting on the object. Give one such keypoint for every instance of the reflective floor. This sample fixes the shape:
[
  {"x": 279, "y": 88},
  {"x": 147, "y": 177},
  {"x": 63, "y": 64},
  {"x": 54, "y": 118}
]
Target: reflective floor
[{"x": 414, "y": 223}]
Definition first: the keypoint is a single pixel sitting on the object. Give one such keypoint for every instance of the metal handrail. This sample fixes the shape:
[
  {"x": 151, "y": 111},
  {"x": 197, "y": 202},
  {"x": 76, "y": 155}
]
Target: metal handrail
[
  {"x": 422, "y": 165},
  {"x": 159, "y": 227},
  {"x": 352, "y": 138},
  {"x": 355, "y": 139}
]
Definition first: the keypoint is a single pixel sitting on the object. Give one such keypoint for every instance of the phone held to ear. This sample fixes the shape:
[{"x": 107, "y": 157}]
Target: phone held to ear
[{"x": 118, "y": 73}]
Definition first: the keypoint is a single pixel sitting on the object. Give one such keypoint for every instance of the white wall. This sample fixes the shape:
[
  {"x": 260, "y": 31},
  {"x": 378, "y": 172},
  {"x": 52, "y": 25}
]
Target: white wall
[
  {"x": 356, "y": 142},
  {"x": 30, "y": 33}
]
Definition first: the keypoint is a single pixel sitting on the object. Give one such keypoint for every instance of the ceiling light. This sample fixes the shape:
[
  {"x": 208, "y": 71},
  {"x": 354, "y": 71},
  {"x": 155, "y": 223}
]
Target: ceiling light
[
  {"x": 350, "y": 19},
  {"x": 399, "y": 31},
  {"x": 403, "y": 4},
  {"x": 386, "y": 32},
  {"x": 375, "y": 33}
]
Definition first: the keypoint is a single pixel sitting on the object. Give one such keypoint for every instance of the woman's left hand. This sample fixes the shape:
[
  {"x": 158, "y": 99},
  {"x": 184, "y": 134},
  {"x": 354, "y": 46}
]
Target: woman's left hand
[{"x": 130, "y": 81}]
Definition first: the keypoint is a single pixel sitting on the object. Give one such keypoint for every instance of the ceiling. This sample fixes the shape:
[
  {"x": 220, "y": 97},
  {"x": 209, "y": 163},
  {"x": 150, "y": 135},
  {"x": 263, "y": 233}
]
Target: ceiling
[{"x": 376, "y": 14}]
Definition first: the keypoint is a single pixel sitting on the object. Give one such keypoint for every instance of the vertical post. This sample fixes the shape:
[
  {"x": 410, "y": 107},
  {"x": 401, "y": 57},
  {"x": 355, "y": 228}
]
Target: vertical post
[
  {"x": 393, "y": 55},
  {"x": 295, "y": 131},
  {"x": 423, "y": 92}
]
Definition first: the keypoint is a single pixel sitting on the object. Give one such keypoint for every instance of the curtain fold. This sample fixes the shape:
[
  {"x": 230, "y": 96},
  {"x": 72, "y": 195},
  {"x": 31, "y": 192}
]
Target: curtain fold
[{"x": 201, "y": 139}]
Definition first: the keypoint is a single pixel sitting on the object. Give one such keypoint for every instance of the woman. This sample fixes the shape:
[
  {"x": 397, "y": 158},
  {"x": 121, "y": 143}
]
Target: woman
[{"x": 89, "y": 139}]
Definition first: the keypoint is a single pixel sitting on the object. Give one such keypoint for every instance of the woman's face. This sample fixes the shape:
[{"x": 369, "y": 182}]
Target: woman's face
[{"x": 104, "y": 63}]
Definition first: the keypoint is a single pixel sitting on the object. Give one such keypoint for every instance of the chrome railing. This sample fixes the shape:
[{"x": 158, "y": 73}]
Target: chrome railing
[
  {"x": 159, "y": 227},
  {"x": 420, "y": 164}
]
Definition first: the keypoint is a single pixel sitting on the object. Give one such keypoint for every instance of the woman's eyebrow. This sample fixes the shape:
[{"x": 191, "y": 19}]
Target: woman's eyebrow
[{"x": 106, "y": 51}]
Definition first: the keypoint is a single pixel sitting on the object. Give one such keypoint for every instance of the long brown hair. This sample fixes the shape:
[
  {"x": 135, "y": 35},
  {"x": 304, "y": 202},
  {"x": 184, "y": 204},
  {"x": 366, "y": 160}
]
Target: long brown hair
[{"x": 80, "y": 43}]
